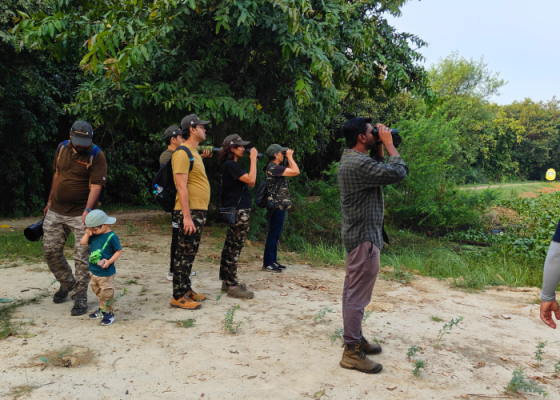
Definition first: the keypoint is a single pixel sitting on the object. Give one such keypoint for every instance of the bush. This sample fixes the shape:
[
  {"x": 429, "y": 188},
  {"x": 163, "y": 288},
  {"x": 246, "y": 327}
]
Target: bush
[{"x": 429, "y": 196}]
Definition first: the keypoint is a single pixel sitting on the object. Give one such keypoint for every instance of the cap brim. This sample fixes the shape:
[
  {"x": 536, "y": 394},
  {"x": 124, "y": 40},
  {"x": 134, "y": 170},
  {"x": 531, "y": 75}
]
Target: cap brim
[
  {"x": 203, "y": 122},
  {"x": 81, "y": 141},
  {"x": 243, "y": 143},
  {"x": 110, "y": 220}
]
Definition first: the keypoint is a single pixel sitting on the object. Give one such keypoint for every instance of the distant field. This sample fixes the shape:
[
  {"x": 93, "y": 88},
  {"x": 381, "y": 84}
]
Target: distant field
[{"x": 513, "y": 190}]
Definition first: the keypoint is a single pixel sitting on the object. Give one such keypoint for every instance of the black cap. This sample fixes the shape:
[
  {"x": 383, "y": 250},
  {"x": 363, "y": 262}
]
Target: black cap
[
  {"x": 192, "y": 120},
  {"x": 82, "y": 133},
  {"x": 173, "y": 130},
  {"x": 234, "y": 140}
]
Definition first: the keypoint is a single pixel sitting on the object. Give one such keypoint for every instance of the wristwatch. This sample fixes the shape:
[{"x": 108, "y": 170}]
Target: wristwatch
[{"x": 87, "y": 209}]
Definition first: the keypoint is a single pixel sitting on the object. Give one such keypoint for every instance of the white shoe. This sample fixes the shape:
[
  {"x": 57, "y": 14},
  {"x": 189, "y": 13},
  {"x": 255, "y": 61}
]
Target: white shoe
[
  {"x": 170, "y": 276},
  {"x": 193, "y": 273}
]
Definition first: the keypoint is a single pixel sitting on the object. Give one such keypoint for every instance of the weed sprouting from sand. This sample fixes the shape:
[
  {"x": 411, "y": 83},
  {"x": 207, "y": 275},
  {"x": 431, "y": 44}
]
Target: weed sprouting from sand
[
  {"x": 337, "y": 335},
  {"x": 557, "y": 367},
  {"x": 218, "y": 297},
  {"x": 367, "y": 314},
  {"x": 378, "y": 341},
  {"x": 447, "y": 328},
  {"x": 321, "y": 314},
  {"x": 185, "y": 323},
  {"x": 418, "y": 365},
  {"x": 435, "y": 319},
  {"x": 229, "y": 325},
  {"x": 109, "y": 303},
  {"x": 539, "y": 352},
  {"x": 412, "y": 350},
  {"x": 519, "y": 382}
]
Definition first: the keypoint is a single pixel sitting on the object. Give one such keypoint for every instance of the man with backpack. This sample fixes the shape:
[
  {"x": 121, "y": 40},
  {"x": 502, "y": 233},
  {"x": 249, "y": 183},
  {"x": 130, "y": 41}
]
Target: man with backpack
[
  {"x": 80, "y": 173},
  {"x": 190, "y": 211}
]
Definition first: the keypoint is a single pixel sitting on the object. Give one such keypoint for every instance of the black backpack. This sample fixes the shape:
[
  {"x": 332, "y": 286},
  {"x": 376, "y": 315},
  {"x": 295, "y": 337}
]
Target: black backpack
[
  {"x": 163, "y": 186},
  {"x": 261, "y": 198}
]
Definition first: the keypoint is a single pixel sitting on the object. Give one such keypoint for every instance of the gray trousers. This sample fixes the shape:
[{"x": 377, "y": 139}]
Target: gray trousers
[
  {"x": 56, "y": 229},
  {"x": 362, "y": 268}
]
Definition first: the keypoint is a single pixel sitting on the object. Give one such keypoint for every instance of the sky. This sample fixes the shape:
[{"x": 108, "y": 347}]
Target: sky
[{"x": 520, "y": 39}]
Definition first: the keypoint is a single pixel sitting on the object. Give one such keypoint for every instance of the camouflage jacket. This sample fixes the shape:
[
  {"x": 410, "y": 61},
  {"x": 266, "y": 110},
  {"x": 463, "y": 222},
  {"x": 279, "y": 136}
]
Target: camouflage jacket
[{"x": 278, "y": 190}]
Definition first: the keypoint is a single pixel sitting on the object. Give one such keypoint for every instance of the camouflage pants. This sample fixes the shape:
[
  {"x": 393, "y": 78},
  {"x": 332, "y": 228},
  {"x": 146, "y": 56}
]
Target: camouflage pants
[
  {"x": 235, "y": 239},
  {"x": 187, "y": 247},
  {"x": 56, "y": 229}
]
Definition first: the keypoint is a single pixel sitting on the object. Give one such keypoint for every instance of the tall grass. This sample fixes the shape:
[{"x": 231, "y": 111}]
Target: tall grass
[{"x": 13, "y": 245}]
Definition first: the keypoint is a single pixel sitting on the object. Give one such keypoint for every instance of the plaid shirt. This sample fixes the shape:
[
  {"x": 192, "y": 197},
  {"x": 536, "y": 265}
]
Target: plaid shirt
[{"x": 361, "y": 180}]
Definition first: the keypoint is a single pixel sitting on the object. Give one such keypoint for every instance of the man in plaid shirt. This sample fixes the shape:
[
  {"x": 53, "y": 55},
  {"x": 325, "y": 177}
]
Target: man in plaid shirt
[{"x": 361, "y": 179}]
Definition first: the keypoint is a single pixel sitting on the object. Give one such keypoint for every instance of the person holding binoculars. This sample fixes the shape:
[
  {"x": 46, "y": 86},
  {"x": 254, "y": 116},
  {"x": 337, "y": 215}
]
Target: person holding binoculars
[
  {"x": 361, "y": 179},
  {"x": 279, "y": 201},
  {"x": 234, "y": 195}
]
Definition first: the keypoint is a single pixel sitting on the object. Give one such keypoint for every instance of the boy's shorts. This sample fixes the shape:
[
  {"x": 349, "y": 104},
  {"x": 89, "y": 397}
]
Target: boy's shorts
[{"x": 103, "y": 286}]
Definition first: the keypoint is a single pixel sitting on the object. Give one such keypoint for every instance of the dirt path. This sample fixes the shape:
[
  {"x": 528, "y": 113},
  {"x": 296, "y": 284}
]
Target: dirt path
[
  {"x": 499, "y": 185},
  {"x": 279, "y": 352}
]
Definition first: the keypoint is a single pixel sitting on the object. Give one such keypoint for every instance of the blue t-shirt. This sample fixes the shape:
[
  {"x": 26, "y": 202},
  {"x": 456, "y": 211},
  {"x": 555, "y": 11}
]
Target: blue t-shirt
[{"x": 97, "y": 242}]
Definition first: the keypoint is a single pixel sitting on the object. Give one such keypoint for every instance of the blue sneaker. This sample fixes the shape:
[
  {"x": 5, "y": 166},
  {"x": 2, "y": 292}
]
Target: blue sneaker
[
  {"x": 108, "y": 319},
  {"x": 96, "y": 314}
]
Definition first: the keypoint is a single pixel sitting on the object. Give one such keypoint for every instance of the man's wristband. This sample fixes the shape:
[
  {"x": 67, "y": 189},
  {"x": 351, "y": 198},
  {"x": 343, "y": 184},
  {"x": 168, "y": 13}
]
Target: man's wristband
[
  {"x": 87, "y": 209},
  {"x": 49, "y": 203}
]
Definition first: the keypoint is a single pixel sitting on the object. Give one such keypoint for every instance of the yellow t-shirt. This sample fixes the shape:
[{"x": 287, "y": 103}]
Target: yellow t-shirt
[{"x": 197, "y": 185}]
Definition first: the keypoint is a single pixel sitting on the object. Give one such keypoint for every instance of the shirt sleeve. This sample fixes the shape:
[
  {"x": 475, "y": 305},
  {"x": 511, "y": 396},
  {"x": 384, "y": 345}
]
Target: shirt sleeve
[
  {"x": 377, "y": 173},
  {"x": 115, "y": 244},
  {"x": 180, "y": 162},
  {"x": 98, "y": 170},
  {"x": 278, "y": 170},
  {"x": 235, "y": 169}
]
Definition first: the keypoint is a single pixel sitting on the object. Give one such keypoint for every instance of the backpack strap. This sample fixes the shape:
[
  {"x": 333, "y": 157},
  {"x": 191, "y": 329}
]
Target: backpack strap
[
  {"x": 189, "y": 154},
  {"x": 59, "y": 149},
  {"x": 94, "y": 152}
]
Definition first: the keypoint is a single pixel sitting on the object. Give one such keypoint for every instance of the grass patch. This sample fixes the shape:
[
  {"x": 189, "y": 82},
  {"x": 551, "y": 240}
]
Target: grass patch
[
  {"x": 185, "y": 323},
  {"x": 324, "y": 254},
  {"x": 13, "y": 246},
  {"x": 514, "y": 189}
]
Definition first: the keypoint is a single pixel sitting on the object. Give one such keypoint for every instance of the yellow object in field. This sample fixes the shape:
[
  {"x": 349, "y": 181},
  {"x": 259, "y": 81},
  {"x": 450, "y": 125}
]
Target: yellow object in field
[{"x": 551, "y": 174}]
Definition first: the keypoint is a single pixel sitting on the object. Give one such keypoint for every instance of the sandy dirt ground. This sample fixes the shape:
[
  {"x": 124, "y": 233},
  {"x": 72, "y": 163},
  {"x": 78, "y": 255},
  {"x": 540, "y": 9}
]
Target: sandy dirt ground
[{"x": 279, "y": 351}]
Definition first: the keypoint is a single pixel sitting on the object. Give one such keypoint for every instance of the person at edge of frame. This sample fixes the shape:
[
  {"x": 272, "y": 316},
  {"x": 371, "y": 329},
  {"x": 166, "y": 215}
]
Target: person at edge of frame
[
  {"x": 279, "y": 201},
  {"x": 551, "y": 278},
  {"x": 191, "y": 211},
  {"x": 75, "y": 191},
  {"x": 234, "y": 193},
  {"x": 361, "y": 179},
  {"x": 173, "y": 139}
]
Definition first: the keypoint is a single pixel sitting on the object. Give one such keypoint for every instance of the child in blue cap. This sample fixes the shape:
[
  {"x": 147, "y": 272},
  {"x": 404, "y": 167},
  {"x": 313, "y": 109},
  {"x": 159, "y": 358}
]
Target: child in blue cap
[{"x": 105, "y": 250}]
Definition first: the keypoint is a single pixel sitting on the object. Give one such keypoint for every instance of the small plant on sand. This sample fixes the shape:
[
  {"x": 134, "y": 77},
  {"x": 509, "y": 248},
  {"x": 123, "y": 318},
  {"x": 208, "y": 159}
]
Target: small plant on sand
[
  {"x": 229, "y": 325},
  {"x": 337, "y": 335},
  {"x": 435, "y": 319},
  {"x": 418, "y": 365},
  {"x": 218, "y": 297},
  {"x": 109, "y": 303},
  {"x": 366, "y": 316},
  {"x": 378, "y": 341},
  {"x": 412, "y": 350},
  {"x": 519, "y": 382},
  {"x": 321, "y": 314},
  {"x": 447, "y": 328},
  {"x": 539, "y": 352},
  {"x": 131, "y": 229},
  {"x": 185, "y": 323},
  {"x": 557, "y": 368}
]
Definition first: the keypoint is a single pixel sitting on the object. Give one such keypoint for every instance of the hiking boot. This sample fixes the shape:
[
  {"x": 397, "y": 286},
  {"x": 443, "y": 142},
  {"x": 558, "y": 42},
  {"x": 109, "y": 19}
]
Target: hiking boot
[
  {"x": 355, "y": 358},
  {"x": 80, "y": 304},
  {"x": 108, "y": 319},
  {"x": 279, "y": 265},
  {"x": 225, "y": 286},
  {"x": 62, "y": 294},
  {"x": 240, "y": 291},
  {"x": 370, "y": 348},
  {"x": 195, "y": 296},
  {"x": 97, "y": 314},
  {"x": 185, "y": 302},
  {"x": 271, "y": 268}
]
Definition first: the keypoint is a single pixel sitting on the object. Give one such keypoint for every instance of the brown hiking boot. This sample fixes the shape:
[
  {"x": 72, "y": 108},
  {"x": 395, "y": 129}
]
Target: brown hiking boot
[
  {"x": 240, "y": 291},
  {"x": 370, "y": 348},
  {"x": 225, "y": 286},
  {"x": 195, "y": 296},
  {"x": 355, "y": 358},
  {"x": 185, "y": 302}
]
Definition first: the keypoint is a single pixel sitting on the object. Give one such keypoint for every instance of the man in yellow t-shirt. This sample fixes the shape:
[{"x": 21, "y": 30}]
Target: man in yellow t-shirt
[{"x": 191, "y": 209}]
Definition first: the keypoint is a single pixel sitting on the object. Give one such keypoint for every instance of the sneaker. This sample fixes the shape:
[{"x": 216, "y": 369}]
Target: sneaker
[
  {"x": 193, "y": 273},
  {"x": 170, "y": 276},
  {"x": 196, "y": 296},
  {"x": 96, "y": 314},
  {"x": 62, "y": 294},
  {"x": 80, "y": 304},
  {"x": 185, "y": 302},
  {"x": 271, "y": 268},
  {"x": 279, "y": 265},
  {"x": 240, "y": 291},
  {"x": 108, "y": 319}
]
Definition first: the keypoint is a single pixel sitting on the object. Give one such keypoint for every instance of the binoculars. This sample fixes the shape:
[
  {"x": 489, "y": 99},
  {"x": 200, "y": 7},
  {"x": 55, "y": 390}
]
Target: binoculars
[
  {"x": 394, "y": 133},
  {"x": 202, "y": 149},
  {"x": 34, "y": 232}
]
